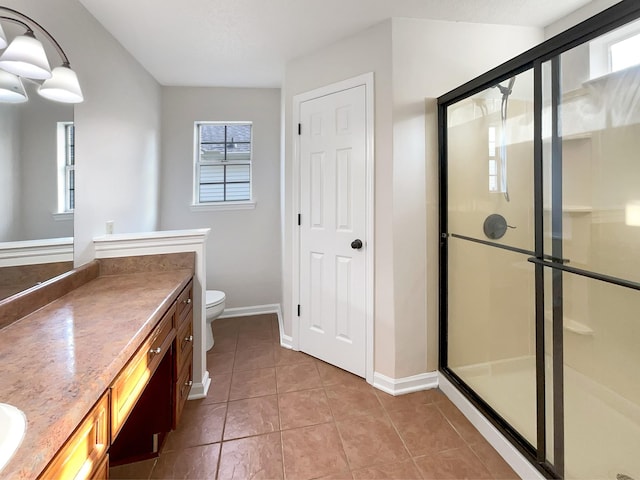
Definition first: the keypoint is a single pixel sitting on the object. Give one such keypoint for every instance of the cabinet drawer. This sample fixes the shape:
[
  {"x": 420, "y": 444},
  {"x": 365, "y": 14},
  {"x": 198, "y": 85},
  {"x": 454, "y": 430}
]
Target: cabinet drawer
[
  {"x": 82, "y": 456},
  {"x": 131, "y": 381},
  {"x": 181, "y": 392},
  {"x": 184, "y": 344},
  {"x": 184, "y": 304},
  {"x": 102, "y": 471}
]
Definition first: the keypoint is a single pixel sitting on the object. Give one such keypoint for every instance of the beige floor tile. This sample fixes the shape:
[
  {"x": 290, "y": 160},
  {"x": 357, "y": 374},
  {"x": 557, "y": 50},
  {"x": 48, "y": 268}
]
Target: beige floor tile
[
  {"x": 198, "y": 463},
  {"x": 258, "y": 457},
  {"x": 405, "y": 470},
  {"x": 357, "y": 434},
  {"x": 223, "y": 343},
  {"x": 389, "y": 402},
  {"x": 200, "y": 424},
  {"x": 300, "y": 409},
  {"x": 285, "y": 356},
  {"x": 491, "y": 459},
  {"x": 456, "y": 464},
  {"x": 351, "y": 399},
  {"x": 457, "y": 419},
  {"x": 255, "y": 338},
  {"x": 254, "y": 358},
  {"x": 218, "y": 363},
  {"x": 133, "y": 471},
  {"x": 253, "y": 383},
  {"x": 219, "y": 389},
  {"x": 292, "y": 378},
  {"x": 425, "y": 430},
  {"x": 331, "y": 375},
  {"x": 311, "y": 452},
  {"x": 252, "y": 416}
]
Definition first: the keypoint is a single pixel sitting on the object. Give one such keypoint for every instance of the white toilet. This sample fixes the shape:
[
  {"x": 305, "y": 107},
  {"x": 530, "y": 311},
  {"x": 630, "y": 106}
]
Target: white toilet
[{"x": 215, "y": 306}]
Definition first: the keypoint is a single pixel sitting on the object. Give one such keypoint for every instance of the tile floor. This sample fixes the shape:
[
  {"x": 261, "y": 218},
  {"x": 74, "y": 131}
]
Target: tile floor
[{"x": 272, "y": 413}]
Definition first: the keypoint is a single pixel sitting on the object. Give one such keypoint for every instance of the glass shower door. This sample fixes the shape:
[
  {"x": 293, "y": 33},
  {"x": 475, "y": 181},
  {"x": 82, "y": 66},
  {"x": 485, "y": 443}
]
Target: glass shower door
[
  {"x": 592, "y": 231},
  {"x": 490, "y": 235}
]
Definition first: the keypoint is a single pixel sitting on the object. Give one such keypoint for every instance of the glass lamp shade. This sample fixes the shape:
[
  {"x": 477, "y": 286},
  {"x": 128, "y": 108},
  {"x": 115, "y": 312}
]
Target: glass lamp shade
[
  {"x": 3, "y": 38},
  {"x": 25, "y": 57},
  {"x": 63, "y": 86},
  {"x": 11, "y": 88}
]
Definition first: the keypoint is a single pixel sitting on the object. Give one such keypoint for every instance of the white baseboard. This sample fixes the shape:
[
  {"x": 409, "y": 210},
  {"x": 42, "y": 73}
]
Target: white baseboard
[
  {"x": 285, "y": 340},
  {"x": 199, "y": 389},
  {"x": 511, "y": 455},
  {"x": 400, "y": 386}
]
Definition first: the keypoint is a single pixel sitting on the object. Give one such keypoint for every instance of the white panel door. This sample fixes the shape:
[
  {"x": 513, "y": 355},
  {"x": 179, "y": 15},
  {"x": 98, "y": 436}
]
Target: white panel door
[{"x": 333, "y": 208}]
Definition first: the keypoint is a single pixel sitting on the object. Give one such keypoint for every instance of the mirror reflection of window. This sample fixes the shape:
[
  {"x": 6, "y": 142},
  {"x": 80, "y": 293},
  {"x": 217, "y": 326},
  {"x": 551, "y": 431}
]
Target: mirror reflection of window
[{"x": 66, "y": 167}]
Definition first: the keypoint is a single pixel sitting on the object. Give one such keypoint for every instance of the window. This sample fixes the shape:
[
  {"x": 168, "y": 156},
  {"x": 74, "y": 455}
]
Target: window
[
  {"x": 66, "y": 167},
  {"x": 222, "y": 163},
  {"x": 625, "y": 53},
  {"x": 493, "y": 161}
]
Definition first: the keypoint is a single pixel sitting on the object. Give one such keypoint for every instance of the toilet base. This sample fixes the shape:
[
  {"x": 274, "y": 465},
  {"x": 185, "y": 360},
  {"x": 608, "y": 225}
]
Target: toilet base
[{"x": 209, "y": 335}]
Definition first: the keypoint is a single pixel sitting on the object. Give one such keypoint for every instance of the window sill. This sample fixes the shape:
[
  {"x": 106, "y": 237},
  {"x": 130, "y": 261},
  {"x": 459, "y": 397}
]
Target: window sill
[
  {"x": 62, "y": 216},
  {"x": 213, "y": 207}
]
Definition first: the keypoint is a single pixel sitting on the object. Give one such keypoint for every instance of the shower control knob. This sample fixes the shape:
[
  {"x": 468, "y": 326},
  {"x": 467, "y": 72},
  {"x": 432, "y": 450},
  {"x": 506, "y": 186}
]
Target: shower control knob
[{"x": 356, "y": 244}]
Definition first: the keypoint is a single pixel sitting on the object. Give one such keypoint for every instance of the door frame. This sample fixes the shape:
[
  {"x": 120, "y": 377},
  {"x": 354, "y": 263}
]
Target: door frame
[{"x": 367, "y": 80}]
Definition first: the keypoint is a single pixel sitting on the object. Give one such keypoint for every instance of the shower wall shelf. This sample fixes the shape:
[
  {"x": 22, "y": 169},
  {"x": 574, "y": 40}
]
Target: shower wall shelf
[
  {"x": 571, "y": 325},
  {"x": 573, "y": 209}
]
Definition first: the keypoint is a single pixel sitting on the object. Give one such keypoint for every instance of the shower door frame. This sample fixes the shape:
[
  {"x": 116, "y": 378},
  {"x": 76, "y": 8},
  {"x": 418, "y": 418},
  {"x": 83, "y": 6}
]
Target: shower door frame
[{"x": 533, "y": 59}]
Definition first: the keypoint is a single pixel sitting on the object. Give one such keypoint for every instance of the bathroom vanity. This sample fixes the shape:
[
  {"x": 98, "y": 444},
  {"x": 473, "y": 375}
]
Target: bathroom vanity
[{"x": 102, "y": 372}]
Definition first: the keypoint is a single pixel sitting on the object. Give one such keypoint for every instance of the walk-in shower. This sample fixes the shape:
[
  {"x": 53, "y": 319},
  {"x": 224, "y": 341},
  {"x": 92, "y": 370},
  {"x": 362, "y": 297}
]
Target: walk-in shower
[{"x": 540, "y": 272}]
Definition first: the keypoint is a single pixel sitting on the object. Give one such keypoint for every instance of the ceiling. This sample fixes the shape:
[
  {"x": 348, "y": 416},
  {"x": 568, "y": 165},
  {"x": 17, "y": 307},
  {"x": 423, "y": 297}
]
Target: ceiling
[{"x": 246, "y": 43}]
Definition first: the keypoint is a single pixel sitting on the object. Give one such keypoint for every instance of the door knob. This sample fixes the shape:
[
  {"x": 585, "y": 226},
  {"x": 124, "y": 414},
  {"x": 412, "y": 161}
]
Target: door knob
[{"x": 356, "y": 244}]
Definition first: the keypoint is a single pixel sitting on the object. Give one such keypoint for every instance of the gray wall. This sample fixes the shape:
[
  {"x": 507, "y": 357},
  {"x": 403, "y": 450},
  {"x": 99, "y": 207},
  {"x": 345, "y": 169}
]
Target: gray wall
[
  {"x": 9, "y": 172},
  {"x": 243, "y": 249}
]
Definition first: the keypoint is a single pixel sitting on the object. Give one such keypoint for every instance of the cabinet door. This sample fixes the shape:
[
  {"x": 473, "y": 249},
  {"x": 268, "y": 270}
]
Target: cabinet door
[
  {"x": 182, "y": 389},
  {"x": 86, "y": 450}
]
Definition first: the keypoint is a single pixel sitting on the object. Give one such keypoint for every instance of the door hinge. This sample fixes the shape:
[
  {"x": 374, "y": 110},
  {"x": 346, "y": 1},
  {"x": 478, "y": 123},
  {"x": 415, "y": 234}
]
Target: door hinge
[
  {"x": 299, "y": 219},
  {"x": 298, "y": 309},
  {"x": 299, "y": 129}
]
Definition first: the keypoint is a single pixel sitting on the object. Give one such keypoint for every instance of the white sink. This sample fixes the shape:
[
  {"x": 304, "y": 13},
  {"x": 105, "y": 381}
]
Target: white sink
[{"x": 13, "y": 424}]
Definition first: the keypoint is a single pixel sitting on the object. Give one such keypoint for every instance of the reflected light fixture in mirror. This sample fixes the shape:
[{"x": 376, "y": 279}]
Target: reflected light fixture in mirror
[{"x": 24, "y": 58}]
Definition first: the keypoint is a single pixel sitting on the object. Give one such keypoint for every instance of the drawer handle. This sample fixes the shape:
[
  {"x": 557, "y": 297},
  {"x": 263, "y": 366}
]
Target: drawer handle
[
  {"x": 187, "y": 301},
  {"x": 189, "y": 338},
  {"x": 189, "y": 383},
  {"x": 155, "y": 350}
]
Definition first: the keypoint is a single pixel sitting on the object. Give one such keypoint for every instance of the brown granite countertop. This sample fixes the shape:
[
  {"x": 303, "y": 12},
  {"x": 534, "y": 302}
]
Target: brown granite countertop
[{"x": 58, "y": 361}]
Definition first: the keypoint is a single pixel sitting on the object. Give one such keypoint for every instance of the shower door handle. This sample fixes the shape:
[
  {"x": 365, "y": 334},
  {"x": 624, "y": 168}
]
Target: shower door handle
[{"x": 356, "y": 244}]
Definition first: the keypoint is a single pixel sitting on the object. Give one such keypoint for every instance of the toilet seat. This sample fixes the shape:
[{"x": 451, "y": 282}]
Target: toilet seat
[{"x": 214, "y": 297}]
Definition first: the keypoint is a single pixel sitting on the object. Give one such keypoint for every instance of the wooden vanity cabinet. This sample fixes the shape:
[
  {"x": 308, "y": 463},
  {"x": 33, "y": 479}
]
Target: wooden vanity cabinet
[
  {"x": 84, "y": 455},
  {"x": 183, "y": 371},
  {"x": 144, "y": 402}
]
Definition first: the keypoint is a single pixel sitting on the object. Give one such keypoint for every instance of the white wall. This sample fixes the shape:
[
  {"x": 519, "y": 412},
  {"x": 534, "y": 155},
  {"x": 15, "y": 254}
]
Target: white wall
[
  {"x": 412, "y": 60},
  {"x": 429, "y": 59},
  {"x": 369, "y": 51},
  {"x": 589, "y": 10},
  {"x": 243, "y": 248},
  {"x": 117, "y": 126}
]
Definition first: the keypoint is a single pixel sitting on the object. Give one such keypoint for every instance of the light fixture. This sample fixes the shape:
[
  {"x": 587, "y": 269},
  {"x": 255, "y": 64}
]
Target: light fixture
[
  {"x": 11, "y": 88},
  {"x": 25, "y": 58}
]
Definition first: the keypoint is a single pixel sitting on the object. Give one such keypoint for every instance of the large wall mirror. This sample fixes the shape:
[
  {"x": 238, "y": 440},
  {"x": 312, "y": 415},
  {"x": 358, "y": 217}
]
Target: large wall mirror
[{"x": 37, "y": 184}]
